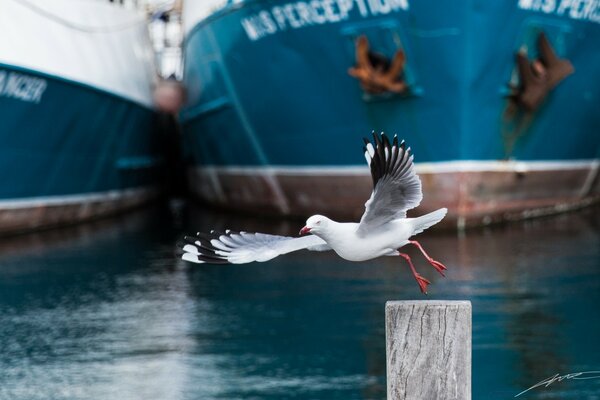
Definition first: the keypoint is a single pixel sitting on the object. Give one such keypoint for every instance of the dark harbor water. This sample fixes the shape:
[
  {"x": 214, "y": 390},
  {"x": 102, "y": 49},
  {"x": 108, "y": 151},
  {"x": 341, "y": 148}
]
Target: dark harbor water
[{"x": 106, "y": 311}]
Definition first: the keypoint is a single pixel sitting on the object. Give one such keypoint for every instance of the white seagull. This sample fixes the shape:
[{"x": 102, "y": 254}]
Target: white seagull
[{"x": 382, "y": 230}]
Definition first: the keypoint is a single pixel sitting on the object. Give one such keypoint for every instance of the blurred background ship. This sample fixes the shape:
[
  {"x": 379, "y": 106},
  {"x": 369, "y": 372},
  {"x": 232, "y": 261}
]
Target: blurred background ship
[
  {"x": 79, "y": 136},
  {"x": 499, "y": 101}
]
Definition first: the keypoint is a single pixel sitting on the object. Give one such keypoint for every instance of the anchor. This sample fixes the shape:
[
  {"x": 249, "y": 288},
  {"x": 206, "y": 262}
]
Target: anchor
[
  {"x": 375, "y": 72},
  {"x": 538, "y": 78}
]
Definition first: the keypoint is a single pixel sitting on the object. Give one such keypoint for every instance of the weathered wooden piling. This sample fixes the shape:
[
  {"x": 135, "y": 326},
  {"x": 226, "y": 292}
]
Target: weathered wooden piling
[{"x": 428, "y": 350}]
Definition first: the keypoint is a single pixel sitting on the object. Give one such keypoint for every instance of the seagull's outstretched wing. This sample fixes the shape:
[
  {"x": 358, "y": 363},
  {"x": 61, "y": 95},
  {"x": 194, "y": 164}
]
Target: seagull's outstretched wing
[
  {"x": 396, "y": 186},
  {"x": 243, "y": 247}
]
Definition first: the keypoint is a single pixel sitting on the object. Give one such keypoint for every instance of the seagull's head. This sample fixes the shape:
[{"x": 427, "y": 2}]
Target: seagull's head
[{"x": 315, "y": 225}]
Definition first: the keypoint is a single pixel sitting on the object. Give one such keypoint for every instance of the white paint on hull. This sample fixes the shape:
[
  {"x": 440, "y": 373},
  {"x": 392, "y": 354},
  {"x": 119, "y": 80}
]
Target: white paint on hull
[{"x": 421, "y": 168}]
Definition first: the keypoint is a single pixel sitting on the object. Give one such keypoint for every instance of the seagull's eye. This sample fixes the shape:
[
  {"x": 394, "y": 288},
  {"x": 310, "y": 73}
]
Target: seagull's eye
[{"x": 318, "y": 222}]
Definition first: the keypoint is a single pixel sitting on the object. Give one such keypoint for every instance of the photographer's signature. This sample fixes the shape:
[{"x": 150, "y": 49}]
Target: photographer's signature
[{"x": 558, "y": 378}]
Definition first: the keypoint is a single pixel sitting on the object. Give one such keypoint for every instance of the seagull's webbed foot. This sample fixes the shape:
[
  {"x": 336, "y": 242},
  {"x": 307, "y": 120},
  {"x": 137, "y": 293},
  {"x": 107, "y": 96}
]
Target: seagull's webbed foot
[
  {"x": 420, "y": 280},
  {"x": 436, "y": 264}
]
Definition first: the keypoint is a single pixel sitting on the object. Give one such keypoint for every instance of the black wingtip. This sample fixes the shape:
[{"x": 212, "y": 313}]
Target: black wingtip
[
  {"x": 379, "y": 143},
  {"x": 212, "y": 260},
  {"x": 205, "y": 236},
  {"x": 386, "y": 141},
  {"x": 205, "y": 251}
]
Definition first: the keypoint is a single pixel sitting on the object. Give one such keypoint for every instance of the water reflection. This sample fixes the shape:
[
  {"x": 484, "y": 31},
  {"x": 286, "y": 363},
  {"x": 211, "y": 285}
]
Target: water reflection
[
  {"x": 80, "y": 317},
  {"x": 535, "y": 287},
  {"x": 107, "y": 311}
]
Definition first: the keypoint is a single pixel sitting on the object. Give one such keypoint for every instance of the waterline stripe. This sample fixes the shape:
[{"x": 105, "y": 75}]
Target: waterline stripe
[
  {"x": 110, "y": 195},
  {"x": 421, "y": 168}
]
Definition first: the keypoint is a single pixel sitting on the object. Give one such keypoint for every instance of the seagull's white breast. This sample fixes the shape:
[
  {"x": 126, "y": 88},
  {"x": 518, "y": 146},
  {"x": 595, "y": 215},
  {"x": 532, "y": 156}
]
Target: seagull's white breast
[{"x": 344, "y": 240}]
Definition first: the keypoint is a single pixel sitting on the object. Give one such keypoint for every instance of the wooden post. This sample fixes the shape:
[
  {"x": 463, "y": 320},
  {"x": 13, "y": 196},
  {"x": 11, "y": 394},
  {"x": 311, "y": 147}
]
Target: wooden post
[{"x": 428, "y": 350}]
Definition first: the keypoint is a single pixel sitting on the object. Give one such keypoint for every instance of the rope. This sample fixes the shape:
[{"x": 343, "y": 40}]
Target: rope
[{"x": 71, "y": 25}]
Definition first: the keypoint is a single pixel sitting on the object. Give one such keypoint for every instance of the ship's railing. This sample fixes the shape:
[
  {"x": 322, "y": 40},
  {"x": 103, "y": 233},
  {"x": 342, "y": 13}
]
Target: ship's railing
[{"x": 166, "y": 34}]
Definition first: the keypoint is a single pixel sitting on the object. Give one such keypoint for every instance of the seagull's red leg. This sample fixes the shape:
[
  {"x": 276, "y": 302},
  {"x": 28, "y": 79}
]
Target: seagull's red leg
[
  {"x": 436, "y": 264},
  {"x": 420, "y": 280}
]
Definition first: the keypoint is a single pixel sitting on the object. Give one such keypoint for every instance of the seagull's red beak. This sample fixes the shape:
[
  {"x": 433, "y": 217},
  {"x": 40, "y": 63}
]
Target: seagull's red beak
[{"x": 304, "y": 231}]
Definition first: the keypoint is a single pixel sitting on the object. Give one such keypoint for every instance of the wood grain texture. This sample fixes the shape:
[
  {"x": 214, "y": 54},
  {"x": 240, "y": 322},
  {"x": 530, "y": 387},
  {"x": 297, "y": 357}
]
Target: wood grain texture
[{"x": 428, "y": 350}]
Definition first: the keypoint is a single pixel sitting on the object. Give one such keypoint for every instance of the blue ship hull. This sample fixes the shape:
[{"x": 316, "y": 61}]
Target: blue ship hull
[
  {"x": 70, "y": 151},
  {"x": 274, "y": 121}
]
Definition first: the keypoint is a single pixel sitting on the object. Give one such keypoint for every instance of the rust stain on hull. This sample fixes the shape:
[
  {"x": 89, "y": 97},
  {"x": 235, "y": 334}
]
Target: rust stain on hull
[
  {"x": 38, "y": 217},
  {"x": 472, "y": 198}
]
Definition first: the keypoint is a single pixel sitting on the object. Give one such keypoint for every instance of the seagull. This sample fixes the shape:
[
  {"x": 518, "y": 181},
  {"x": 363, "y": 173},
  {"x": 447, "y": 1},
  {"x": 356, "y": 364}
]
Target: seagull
[{"x": 382, "y": 231}]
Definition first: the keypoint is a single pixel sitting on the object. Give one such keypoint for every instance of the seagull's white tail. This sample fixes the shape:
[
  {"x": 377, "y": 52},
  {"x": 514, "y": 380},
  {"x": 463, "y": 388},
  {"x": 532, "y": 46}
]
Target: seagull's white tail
[{"x": 428, "y": 220}]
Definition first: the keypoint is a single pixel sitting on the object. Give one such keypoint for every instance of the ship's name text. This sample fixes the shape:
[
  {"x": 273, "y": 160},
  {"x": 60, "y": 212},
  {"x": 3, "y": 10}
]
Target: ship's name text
[
  {"x": 22, "y": 87},
  {"x": 586, "y": 10},
  {"x": 316, "y": 12}
]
